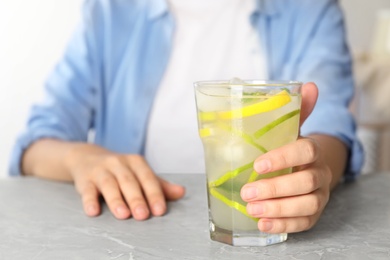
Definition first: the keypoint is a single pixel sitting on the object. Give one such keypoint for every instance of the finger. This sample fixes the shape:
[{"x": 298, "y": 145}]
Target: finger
[
  {"x": 301, "y": 152},
  {"x": 90, "y": 199},
  {"x": 150, "y": 185},
  {"x": 108, "y": 186},
  {"x": 134, "y": 196},
  {"x": 298, "y": 206},
  {"x": 172, "y": 191},
  {"x": 309, "y": 99},
  {"x": 130, "y": 188},
  {"x": 298, "y": 183},
  {"x": 287, "y": 225}
]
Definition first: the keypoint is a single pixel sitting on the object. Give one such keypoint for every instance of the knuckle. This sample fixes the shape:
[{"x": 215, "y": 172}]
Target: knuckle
[
  {"x": 328, "y": 175},
  {"x": 112, "y": 161},
  {"x": 312, "y": 181},
  {"x": 134, "y": 158},
  {"x": 96, "y": 171},
  {"x": 315, "y": 204},
  {"x": 282, "y": 226},
  {"x": 276, "y": 209},
  {"x": 88, "y": 199},
  {"x": 106, "y": 179},
  {"x": 269, "y": 190},
  {"x": 115, "y": 200},
  {"x": 135, "y": 201},
  {"x": 80, "y": 186},
  {"x": 308, "y": 223},
  {"x": 148, "y": 177},
  {"x": 298, "y": 225},
  {"x": 85, "y": 189},
  {"x": 327, "y": 197},
  {"x": 155, "y": 198},
  {"x": 310, "y": 150},
  {"x": 295, "y": 225},
  {"x": 279, "y": 211},
  {"x": 280, "y": 159},
  {"x": 289, "y": 226},
  {"x": 127, "y": 179},
  {"x": 88, "y": 202}
]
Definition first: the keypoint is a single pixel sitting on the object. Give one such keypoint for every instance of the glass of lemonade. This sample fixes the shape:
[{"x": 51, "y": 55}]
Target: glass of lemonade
[{"x": 239, "y": 121}]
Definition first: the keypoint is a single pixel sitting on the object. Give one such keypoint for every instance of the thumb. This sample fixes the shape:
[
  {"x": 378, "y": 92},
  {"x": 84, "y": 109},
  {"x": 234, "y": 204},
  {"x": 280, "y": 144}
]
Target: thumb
[
  {"x": 172, "y": 191},
  {"x": 309, "y": 98}
]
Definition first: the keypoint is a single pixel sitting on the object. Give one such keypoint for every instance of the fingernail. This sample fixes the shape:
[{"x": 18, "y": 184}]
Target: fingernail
[
  {"x": 262, "y": 166},
  {"x": 266, "y": 226},
  {"x": 141, "y": 212},
  {"x": 249, "y": 193},
  {"x": 158, "y": 209},
  {"x": 92, "y": 210},
  {"x": 255, "y": 209},
  {"x": 122, "y": 210}
]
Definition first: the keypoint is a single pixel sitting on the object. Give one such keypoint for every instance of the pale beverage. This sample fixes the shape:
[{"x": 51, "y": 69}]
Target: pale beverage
[{"x": 238, "y": 122}]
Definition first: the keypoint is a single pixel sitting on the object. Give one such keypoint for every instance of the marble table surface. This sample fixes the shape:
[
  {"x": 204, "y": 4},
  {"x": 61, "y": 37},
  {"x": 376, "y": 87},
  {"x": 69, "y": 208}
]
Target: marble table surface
[{"x": 41, "y": 219}]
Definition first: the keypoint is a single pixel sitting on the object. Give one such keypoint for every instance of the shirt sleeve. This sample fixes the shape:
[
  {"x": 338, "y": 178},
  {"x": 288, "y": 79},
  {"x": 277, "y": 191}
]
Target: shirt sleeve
[
  {"x": 70, "y": 93},
  {"x": 327, "y": 61}
]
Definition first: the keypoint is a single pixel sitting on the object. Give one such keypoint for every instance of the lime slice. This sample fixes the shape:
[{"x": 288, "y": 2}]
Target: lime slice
[
  {"x": 275, "y": 123},
  {"x": 230, "y": 175},
  {"x": 249, "y": 139},
  {"x": 229, "y": 192},
  {"x": 255, "y": 176},
  {"x": 216, "y": 193},
  {"x": 276, "y": 101}
]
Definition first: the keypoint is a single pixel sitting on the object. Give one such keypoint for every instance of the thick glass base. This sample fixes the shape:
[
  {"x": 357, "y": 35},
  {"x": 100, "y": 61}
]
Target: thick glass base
[{"x": 245, "y": 238}]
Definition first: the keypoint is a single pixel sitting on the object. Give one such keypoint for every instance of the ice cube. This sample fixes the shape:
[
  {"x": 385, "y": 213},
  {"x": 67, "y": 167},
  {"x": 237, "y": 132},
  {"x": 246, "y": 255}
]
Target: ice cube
[
  {"x": 237, "y": 81},
  {"x": 237, "y": 90}
]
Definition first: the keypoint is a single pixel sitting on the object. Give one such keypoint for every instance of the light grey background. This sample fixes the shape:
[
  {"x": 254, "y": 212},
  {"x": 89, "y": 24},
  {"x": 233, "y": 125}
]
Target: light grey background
[{"x": 33, "y": 35}]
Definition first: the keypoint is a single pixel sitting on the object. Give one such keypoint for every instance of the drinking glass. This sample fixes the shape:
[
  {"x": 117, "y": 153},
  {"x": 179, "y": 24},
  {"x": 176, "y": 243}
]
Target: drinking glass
[{"x": 239, "y": 121}]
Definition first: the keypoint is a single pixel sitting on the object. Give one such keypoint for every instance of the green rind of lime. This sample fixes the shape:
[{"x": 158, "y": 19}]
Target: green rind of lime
[
  {"x": 231, "y": 203},
  {"x": 230, "y": 175},
  {"x": 275, "y": 123}
]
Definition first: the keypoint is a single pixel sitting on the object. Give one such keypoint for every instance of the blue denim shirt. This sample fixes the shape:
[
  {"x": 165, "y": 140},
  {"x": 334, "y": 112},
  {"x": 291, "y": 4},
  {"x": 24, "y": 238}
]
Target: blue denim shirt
[{"x": 116, "y": 58}]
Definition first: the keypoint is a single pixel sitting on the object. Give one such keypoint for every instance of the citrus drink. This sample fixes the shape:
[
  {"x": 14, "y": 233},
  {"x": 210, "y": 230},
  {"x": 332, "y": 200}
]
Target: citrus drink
[{"x": 237, "y": 124}]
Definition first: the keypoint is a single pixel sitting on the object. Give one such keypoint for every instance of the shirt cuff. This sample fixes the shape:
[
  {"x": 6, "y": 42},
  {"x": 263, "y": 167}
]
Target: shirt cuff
[{"x": 23, "y": 142}]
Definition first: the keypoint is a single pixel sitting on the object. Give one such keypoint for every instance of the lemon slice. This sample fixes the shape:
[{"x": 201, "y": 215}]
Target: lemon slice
[
  {"x": 276, "y": 101},
  {"x": 205, "y": 132},
  {"x": 207, "y": 116},
  {"x": 272, "y": 103}
]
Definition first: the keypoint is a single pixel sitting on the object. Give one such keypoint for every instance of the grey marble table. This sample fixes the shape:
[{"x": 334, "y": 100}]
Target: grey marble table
[{"x": 44, "y": 220}]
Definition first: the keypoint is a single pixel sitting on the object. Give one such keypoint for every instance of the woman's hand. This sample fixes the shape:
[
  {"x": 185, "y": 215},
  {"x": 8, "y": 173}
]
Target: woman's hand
[
  {"x": 294, "y": 202},
  {"x": 126, "y": 182}
]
